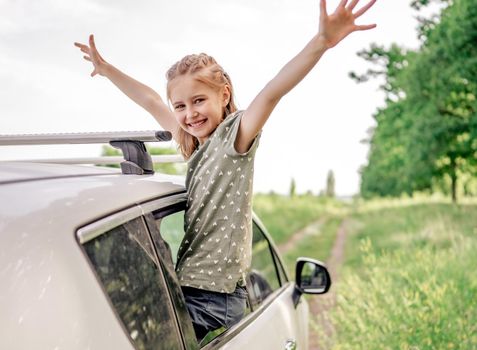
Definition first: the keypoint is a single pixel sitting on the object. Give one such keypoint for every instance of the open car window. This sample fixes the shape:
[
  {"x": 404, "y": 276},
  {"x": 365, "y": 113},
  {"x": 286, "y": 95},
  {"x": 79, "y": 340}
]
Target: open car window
[
  {"x": 171, "y": 228},
  {"x": 124, "y": 261},
  {"x": 263, "y": 277},
  {"x": 166, "y": 228}
]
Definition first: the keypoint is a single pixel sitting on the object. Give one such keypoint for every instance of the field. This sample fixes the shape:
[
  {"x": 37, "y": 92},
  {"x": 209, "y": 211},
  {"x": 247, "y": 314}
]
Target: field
[
  {"x": 408, "y": 278},
  {"x": 284, "y": 216}
]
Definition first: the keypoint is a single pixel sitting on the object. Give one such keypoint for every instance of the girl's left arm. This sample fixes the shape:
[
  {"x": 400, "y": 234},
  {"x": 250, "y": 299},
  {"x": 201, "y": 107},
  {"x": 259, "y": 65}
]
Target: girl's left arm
[{"x": 332, "y": 29}]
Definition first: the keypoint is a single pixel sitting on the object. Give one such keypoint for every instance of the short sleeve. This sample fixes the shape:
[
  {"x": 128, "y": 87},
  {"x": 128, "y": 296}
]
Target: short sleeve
[{"x": 231, "y": 135}]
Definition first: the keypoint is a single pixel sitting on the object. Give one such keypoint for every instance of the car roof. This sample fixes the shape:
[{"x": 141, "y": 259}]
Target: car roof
[
  {"x": 29, "y": 171},
  {"x": 50, "y": 202},
  {"x": 42, "y": 186}
]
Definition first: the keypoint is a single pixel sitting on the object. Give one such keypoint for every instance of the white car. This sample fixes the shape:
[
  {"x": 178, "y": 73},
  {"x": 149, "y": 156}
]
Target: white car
[{"x": 87, "y": 260}]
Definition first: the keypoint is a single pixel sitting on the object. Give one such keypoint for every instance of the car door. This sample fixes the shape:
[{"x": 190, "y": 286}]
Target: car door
[
  {"x": 271, "y": 320},
  {"x": 274, "y": 322}
]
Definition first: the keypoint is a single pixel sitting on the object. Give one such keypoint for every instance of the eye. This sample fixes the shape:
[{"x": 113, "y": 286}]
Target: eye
[
  {"x": 198, "y": 100},
  {"x": 179, "y": 107}
]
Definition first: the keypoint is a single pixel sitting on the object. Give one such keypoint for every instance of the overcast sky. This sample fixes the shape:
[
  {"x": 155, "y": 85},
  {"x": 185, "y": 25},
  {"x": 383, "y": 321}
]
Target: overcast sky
[{"x": 46, "y": 85}]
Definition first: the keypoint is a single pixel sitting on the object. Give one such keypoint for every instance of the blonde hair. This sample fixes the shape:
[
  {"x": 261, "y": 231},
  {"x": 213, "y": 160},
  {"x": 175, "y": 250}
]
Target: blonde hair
[{"x": 209, "y": 72}]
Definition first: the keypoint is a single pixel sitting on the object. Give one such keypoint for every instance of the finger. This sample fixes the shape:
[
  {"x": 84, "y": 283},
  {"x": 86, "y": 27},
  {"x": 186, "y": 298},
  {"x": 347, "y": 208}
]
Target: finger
[
  {"x": 91, "y": 42},
  {"x": 343, "y": 3},
  {"x": 87, "y": 58},
  {"x": 323, "y": 12},
  {"x": 364, "y": 8},
  {"x": 93, "y": 50},
  {"x": 93, "y": 73},
  {"x": 352, "y": 5},
  {"x": 81, "y": 46},
  {"x": 85, "y": 49},
  {"x": 366, "y": 27}
]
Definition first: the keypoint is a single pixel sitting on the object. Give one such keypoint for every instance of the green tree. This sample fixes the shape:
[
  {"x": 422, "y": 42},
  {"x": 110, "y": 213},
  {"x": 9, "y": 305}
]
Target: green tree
[
  {"x": 292, "y": 188},
  {"x": 441, "y": 85},
  {"x": 386, "y": 171},
  {"x": 424, "y": 137},
  {"x": 330, "y": 184}
]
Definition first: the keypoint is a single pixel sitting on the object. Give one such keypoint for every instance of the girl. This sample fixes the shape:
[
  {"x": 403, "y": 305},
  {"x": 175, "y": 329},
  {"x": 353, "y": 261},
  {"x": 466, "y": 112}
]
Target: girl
[{"x": 219, "y": 144}]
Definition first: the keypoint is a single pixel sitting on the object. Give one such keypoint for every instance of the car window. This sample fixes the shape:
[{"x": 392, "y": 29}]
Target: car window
[
  {"x": 124, "y": 261},
  {"x": 164, "y": 223},
  {"x": 172, "y": 231},
  {"x": 263, "y": 278},
  {"x": 167, "y": 233},
  {"x": 281, "y": 271}
]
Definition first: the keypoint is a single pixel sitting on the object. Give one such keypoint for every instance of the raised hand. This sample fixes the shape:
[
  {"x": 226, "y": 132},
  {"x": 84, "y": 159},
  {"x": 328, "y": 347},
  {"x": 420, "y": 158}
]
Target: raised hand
[
  {"x": 335, "y": 27},
  {"x": 92, "y": 55}
]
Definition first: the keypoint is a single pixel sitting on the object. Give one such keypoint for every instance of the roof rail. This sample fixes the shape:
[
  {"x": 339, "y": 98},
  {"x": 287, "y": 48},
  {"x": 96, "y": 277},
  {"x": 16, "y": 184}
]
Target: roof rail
[
  {"x": 106, "y": 160},
  {"x": 84, "y": 137},
  {"x": 136, "y": 158}
]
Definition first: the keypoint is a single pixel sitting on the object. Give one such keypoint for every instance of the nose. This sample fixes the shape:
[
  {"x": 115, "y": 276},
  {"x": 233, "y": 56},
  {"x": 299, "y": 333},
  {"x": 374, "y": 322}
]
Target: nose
[{"x": 192, "y": 113}]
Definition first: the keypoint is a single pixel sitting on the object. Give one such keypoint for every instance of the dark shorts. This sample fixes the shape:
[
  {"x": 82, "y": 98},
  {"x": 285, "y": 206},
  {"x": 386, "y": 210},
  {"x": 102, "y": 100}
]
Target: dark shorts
[{"x": 213, "y": 310}]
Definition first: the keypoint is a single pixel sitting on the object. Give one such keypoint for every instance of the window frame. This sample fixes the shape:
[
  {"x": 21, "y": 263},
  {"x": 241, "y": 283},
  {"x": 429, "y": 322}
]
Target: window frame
[
  {"x": 95, "y": 229},
  {"x": 225, "y": 337},
  {"x": 282, "y": 274},
  {"x": 165, "y": 207},
  {"x": 172, "y": 203},
  {"x": 277, "y": 260}
]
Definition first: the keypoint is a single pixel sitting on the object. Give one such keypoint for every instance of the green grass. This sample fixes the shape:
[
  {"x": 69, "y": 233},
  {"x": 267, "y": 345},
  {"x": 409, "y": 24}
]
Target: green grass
[
  {"x": 408, "y": 281},
  {"x": 317, "y": 245},
  {"x": 283, "y": 215}
]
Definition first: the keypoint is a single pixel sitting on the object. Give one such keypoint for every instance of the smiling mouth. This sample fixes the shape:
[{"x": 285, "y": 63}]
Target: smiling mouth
[{"x": 197, "y": 124}]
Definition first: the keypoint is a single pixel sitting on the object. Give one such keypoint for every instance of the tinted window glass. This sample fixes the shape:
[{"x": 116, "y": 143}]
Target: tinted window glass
[
  {"x": 169, "y": 221},
  {"x": 263, "y": 278},
  {"x": 124, "y": 261}
]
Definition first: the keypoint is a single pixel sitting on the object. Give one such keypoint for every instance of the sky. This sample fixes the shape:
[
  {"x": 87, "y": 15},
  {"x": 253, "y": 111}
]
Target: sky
[{"x": 46, "y": 85}]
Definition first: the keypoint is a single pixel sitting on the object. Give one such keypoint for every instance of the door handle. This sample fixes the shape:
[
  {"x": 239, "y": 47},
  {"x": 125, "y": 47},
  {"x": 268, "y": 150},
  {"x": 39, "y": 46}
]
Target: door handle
[{"x": 290, "y": 344}]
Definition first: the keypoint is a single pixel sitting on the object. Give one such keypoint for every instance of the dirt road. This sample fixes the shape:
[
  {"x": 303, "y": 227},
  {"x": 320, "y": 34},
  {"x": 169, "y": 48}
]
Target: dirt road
[
  {"x": 299, "y": 235},
  {"x": 321, "y": 327}
]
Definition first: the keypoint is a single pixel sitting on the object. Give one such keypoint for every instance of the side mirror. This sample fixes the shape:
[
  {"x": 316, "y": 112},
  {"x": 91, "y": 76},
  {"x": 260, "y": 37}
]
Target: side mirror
[{"x": 312, "y": 277}]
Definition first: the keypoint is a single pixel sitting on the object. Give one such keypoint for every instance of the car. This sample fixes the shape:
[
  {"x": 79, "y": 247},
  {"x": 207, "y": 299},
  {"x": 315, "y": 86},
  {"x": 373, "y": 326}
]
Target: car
[{"x": 88, "y": 252}]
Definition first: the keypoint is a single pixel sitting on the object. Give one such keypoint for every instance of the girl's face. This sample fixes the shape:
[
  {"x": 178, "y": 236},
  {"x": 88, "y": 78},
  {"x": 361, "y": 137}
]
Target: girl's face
[{"x": 198, "y": 108}]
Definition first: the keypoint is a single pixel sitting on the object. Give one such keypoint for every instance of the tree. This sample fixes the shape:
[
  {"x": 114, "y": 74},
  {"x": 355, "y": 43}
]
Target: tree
[
  {"x": 330, "y": 184},
  {"x": 441, "y": 84},
  {"x": 387, "y": 168},
  {"x": 425, "y": 134},
  {"x": 292, "y": 188}
]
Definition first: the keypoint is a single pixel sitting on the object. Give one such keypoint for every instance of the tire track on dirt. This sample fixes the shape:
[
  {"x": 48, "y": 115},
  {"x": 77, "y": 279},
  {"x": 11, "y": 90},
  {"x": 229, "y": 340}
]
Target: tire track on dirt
[
  {"x": 322, "y": 328},
  {"x": 308, "y": 230}
]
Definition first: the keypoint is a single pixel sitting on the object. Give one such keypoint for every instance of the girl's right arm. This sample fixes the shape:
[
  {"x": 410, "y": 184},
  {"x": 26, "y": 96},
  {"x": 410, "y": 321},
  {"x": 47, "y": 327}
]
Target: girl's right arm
[{"x": 142, "y": 94}]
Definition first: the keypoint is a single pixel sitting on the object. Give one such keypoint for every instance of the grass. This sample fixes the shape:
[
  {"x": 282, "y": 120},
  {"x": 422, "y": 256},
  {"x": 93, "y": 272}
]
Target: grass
[
  {"x": 284, "y": 216},
  {"x": 317, "y": 245},
  {"x": 408, "y": 281}
]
